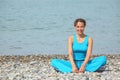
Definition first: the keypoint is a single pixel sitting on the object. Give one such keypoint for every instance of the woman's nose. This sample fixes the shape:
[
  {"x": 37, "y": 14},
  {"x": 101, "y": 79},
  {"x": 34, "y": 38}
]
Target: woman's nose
[{"x": 80, "y": 28}]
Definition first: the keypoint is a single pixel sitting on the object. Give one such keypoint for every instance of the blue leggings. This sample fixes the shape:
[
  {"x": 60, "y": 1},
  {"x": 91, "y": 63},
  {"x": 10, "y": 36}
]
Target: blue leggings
[{"x": 93, "y": 65}]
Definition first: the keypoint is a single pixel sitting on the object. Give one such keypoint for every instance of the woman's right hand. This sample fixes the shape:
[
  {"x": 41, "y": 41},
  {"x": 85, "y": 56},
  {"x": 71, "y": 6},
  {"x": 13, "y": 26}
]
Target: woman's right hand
[{"x": 74, "y": 69}]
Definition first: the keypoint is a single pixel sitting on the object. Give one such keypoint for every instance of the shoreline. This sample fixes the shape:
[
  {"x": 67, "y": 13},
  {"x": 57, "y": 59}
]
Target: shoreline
[{"x": 50, "y": 56}]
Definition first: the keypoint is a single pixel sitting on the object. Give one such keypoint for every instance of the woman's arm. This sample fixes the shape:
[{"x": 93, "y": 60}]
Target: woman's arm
[
  {"x": 70, "y": 53},
  {"x": 88, "y": 54}
]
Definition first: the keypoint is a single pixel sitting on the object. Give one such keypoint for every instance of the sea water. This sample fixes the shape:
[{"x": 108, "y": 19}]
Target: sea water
[{"x": 43, "y": 26}]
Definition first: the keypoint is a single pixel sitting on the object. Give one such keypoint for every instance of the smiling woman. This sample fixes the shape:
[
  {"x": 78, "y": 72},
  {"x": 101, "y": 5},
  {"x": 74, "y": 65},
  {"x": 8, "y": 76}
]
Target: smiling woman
[{"x": 79, "y": 50}]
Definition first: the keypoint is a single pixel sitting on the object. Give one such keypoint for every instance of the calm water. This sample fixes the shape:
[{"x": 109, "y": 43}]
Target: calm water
[{"x": 43, "y": 26}]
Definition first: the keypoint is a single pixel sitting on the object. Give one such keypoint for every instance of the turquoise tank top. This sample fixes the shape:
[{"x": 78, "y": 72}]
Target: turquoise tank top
[{"x": 79, "y": 49}]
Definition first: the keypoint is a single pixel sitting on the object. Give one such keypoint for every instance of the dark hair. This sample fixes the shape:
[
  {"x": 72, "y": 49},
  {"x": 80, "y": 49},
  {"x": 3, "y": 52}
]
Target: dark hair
[{"x": 79, "y": 20}]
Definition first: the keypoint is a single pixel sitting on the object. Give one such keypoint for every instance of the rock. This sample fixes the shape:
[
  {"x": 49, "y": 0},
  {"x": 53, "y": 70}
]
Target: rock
[{"x": 38, "y": 67}]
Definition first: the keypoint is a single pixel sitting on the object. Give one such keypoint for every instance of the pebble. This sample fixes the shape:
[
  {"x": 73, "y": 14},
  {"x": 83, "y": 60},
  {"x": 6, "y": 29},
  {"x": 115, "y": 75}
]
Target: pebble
[{"x": 16, "y": 68}]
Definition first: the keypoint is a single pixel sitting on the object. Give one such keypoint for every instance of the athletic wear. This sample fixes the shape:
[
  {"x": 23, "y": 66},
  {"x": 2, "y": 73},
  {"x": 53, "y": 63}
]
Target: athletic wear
[{"x": 79, "y": 54}]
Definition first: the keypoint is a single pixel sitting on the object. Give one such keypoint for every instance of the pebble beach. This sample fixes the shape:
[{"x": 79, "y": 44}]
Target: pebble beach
[{"x": 37, "y": 67}]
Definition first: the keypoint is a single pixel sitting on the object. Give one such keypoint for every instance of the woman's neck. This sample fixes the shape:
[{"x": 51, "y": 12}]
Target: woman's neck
[{"x": 81, "y": 35}]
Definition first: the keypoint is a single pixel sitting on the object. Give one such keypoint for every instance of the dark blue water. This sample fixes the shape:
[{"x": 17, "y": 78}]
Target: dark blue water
[{"x": 43, "y": 26}]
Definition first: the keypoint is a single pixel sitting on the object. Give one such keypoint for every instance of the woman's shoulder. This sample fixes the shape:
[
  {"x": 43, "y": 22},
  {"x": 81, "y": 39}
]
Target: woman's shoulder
[
  {"x": 90, "y": 38},
  {"x": 70, "y": 38}
]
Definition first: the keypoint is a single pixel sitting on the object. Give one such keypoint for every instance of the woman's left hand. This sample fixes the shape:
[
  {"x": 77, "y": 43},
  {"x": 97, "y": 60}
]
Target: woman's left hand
[{"x": 82, "y": 69}]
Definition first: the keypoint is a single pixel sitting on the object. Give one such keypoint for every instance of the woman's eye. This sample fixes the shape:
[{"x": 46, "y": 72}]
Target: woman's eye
[{"x": 82, "y": 26}]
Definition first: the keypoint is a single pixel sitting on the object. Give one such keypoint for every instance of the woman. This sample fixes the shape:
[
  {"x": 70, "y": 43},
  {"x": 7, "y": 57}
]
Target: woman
[{"x": 79, "y": 50}]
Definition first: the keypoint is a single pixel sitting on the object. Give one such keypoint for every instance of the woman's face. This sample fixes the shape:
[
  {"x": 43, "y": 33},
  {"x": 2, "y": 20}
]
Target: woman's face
[{"x": 80, "y": 28}]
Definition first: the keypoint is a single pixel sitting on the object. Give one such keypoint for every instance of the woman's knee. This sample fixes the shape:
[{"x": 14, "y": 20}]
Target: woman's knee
[
  {"x": 99, "y": 59},
  {"x": 54, "y": 61},
  {"x": 104, "y": 58}
]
